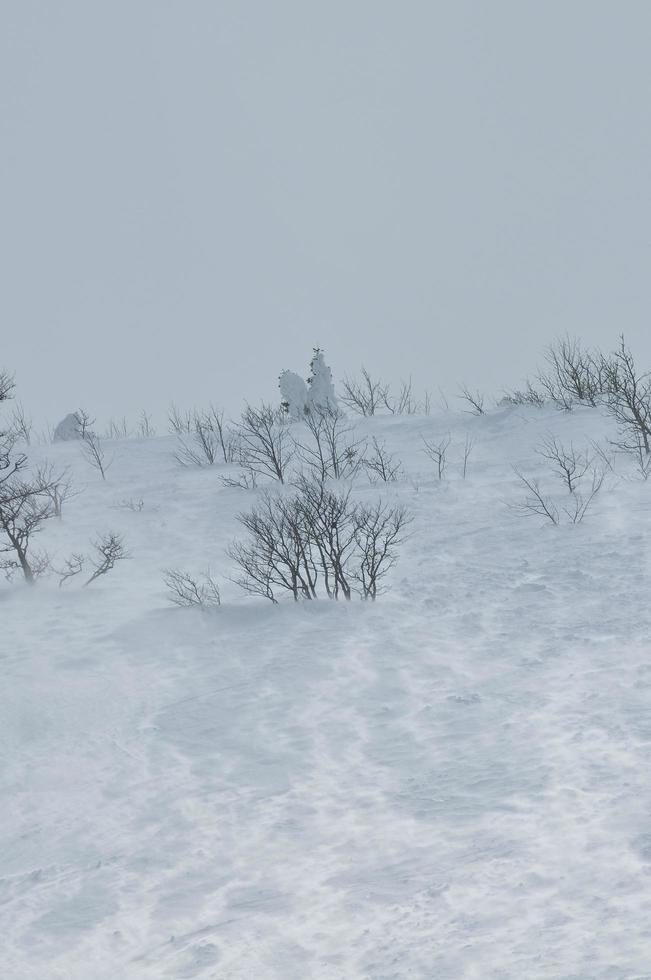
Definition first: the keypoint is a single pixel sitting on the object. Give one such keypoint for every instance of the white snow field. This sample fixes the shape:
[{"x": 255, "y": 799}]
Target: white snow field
[{"x": 453, "y": 782}]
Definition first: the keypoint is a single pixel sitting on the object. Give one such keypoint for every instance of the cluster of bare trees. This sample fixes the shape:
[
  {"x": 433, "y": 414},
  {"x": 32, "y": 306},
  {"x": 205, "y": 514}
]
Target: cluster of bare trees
[
  {"x": 316, "y": 541},
  {"x": 367, "y": 396},
  {"x": 29, "y": 499}
]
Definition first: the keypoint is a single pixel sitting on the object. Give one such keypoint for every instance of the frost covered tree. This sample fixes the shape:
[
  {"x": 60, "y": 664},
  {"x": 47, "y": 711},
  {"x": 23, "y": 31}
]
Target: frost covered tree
[
  {"x": 318, "y": 394},
  {"x": 321, "y": 390},
  {"x": 294, "y": 393}
]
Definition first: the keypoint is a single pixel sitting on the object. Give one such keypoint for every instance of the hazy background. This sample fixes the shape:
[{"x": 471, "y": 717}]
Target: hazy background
[{"x": 196, "y": 192}]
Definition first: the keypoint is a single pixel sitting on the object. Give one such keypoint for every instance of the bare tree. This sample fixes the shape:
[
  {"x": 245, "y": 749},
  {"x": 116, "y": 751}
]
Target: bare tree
[
  {"x": 21, "y": 423},
  {"x": 628, "y": 399},
  {"x": 331, "y": 451},
  {"x": 572, "y": 373},
  {"x": 146, "y": 429},
  {"x": 109, "y": 550},
  {"x": 379, "y": 529},
  {"x": 468, "y": 447},
  {"x": 57, "y": 485},
  {"x": 405, "y": 403},
  {"x": 570, "y": 465},
  {"x": 118, "y": 429},
  {"x": 84, "y": 421},
  {"x": 188, "y": 590},
  {"x": 579, "y": 505},
  {"x": 179, "y": 422},
  {"x": 209, "y": 440},
  {"x": 277, "y": 555},
  {"x": 93, "y": 451},
  {"x": 25, "y": 506},
  {"x": 73, "y": 566},
  {"x": 474, "y": 398},
  {"x": 437, "y": 452},
  {"x": 536, "y": 503},
  {"x": 381, "y": 464},
  {"x": 366, "y": 395},
  {"x": 265, "y": 443}
]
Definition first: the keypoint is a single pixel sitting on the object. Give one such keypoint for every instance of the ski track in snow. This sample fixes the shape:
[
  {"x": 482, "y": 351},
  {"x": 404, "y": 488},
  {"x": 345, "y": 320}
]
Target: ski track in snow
[{"x": 452, "y": 783}]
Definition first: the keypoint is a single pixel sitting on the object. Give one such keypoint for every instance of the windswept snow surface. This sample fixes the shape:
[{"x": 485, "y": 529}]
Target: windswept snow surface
[{"x": 453, "y": 782}]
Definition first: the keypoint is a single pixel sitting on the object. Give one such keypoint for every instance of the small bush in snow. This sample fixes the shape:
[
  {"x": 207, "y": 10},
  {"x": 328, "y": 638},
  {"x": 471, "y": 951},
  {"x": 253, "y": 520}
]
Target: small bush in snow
[
  {"x": 207, "y": 441},
  {"x": 187, "y": 590}
]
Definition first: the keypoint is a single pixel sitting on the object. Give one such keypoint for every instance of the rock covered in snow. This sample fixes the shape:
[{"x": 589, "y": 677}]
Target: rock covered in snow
[{"x": 68, "y": 428}]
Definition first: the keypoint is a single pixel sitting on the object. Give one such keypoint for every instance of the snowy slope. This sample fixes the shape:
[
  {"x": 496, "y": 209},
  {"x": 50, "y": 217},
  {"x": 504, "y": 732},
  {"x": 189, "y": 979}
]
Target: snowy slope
[{"x": 451, "y": 783}]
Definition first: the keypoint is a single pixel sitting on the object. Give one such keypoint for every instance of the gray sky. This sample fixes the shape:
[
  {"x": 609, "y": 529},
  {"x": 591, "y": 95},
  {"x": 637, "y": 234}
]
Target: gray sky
[{"x": 196, "y": 192}]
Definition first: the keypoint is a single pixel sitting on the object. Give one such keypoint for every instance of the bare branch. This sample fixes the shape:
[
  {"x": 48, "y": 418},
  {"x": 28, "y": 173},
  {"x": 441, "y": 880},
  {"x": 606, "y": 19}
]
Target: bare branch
[
  {"x": 474, "y": 398},
  {"x": 109, "y": 551},
  {"x": 536, "y": 504},
  {"x": 93, "y": 450}
]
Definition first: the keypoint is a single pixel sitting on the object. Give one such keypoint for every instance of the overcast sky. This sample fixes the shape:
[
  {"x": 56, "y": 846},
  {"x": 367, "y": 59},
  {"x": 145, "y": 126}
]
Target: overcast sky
[{"x": 194, "y": 193}]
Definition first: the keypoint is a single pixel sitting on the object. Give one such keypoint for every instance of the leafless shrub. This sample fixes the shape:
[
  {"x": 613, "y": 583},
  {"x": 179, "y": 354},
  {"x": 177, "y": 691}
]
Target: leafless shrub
[
  {"x": 21, "y": 423},
  {"x": 468, "y": 447},
  {"x": 57, "y": 485},
  {"x": 536, "y": 503},
  {"x": 539, "y": 504},
  {"x": 6, "y": 385},
  {"x": 265, "y": 445},
  {"x": 73, "y": 566},
  {"x": 607, "y": 457},
  {"x": 187, "y": 590},
  {"x": 381, "y": 464},
  {"x": 134, "y": 504},
  {"x": 118, "y": 429},
  {"x": 109, "y": 550},
  {"x": 473, "y": 398},
  {"x": 180, "y": 423},
  {"x": 628, "y": 400},
  {"x": 244, "y": 480},
  {"x": 572, "y": 374},
  {"x": 317, "y": 541},
  {"x": 524, "y": 396},
  {"x": 93, "y": 451},
  {"x": 437, "y": 452},
  {"x": 569, "y": 464},
  {"x": 146, "y": 429},
  {"x": 331, "y": 450},
  {"x": 365, "y": 395},
  {"x": 84, "y": 421},
  {"x": 580, "y": 503},
  {"x": 209, "y": 440}
]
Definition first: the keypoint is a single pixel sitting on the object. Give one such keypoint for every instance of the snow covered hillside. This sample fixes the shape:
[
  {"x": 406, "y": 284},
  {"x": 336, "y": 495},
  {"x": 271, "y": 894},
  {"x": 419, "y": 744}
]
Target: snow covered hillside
[{"x": 452, "y": 782}]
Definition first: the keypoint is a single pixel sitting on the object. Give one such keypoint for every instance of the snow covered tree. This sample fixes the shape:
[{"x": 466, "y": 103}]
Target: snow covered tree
[
  {"x": 294, "y": 392},
  {"x": 321, "y": 390}
]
